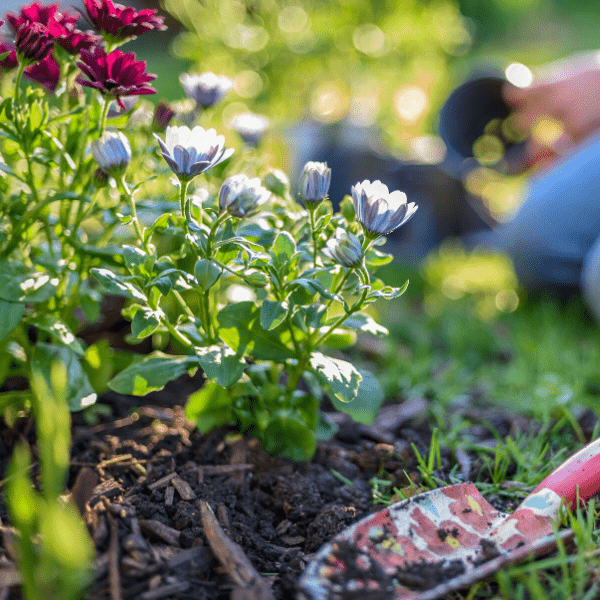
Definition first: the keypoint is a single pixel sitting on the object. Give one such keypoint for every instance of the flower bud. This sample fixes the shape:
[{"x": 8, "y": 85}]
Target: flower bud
[
  {"x": 344, "y": 248},
  {"x": 33, "y": 41},
  {"x": 100, "y": 178},
  {"x": 314, "y": 182},
  {"x": 250, "y": 127},
  {"x": 162, "y": 116},
  {"x": 112, "y": 152},
  {"x": 257, "y": 279},
  {"x": 277, "y": 182},
  {"x": 241, "y": 196}
]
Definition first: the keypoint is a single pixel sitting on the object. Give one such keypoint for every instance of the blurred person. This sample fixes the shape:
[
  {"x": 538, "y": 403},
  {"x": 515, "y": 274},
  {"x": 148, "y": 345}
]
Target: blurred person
[{"x": 554, "y": 237}]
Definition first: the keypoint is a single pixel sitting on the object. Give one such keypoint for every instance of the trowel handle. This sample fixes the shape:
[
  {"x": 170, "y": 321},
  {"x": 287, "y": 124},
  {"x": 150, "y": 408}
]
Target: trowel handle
[{"x": 579, "y": 472}]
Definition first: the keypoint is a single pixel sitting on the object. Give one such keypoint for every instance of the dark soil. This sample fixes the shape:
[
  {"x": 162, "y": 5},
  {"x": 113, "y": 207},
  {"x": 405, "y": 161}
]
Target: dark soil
[{"x": 143, "y": 473}]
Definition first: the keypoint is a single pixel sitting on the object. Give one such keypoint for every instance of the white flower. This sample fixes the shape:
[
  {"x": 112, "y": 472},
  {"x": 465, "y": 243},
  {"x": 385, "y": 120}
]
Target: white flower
[
  {"x": 378, "y": 210},
  {"x": 241, "y": 196},
  {"x": 112, "y": 152},
  {"x": 314, "y": 182},
  {"x": 344, "y": 248},
  {"x": 190, "y": 152},
  {"x": 206, "y": 89},
  {"x": 250, "y": 127}
]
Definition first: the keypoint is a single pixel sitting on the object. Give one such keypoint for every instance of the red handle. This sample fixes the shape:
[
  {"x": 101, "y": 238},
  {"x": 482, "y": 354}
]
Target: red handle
[{"x": 582, "y": 470}]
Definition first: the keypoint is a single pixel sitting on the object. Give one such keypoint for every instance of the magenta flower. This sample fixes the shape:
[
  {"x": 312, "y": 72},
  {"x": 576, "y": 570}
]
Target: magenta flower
[
  {"x": 74, "y": 41},
  {"x": 46, "y": 72},
  {"x": 10, "y": 62},
  {"x": 115, "y": 74},
  {"x": 119, "y": 23},
  {"x": 33, "y": 41},
  {"x": 46, "y": 15}
]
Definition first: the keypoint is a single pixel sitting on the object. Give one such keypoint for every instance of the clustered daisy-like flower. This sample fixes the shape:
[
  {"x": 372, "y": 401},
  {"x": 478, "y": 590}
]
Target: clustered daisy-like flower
[
  {"x": 379, "y": 211},
  {"x": 314, "y": 182},
  {"x": 112, "y": 152},
  {"x": 344, "y": 248},
  {"x": 241, "y": 196},
  {"x": 206, "y": 89},
  {"x": 119, "y": 23},
  {"x": 250, "y": 127},
  {"x": 189, "y": 152},
  {"x": 116, "y": 74}
]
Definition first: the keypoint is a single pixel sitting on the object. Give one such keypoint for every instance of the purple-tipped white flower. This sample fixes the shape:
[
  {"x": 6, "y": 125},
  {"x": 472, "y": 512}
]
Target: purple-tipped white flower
[
  {"x": 250, "y": 127},
  {"x": 314, "y": 182},
  {"x": 189, "y": 152},
  {"x": 344, "y": 248},
  {"x": 112, "y": 152},
  {"x": 241, "y": 196},
  {"x": 378, "y": 210},
  {"x": 206, "y": 89}
]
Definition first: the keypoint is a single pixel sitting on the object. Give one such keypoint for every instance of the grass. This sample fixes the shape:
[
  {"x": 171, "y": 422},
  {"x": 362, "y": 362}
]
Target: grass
[{"x": 535, "y": 362}]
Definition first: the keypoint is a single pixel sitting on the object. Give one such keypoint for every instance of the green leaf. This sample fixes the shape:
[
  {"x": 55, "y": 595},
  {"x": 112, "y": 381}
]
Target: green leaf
[
  {"x": 118, "y": 285},
  {"x": 60, "y": 331},
  {"x": 283, "y": 248},
  {"x": 221, "y": 364},
  {"x": 172, "y": 278},
  {"x": 6, "y": 169},
  {"x": 160, "y": 224},
  {"x": 207, "y": 273},
  {"x": 288, "y": 435},
  {"x": 387, "y": 292},
  {"x": 240, "y": 329},
  {"x": 272, "y": 313},
  {"x": 367, "y": 402},
  {"x": 209, "y": 407},
  {"x": 151, "y": 373},
  {"x": 145, "y": 322},
  {"x": 79, "y": 392},
  {"x": 12, "y": 313},
  {"x": 19, "y": 283},
  {"x": 99, "y": 365},
  {"x": 339, "y": 378},
  {"x": 366, "y": 323}
]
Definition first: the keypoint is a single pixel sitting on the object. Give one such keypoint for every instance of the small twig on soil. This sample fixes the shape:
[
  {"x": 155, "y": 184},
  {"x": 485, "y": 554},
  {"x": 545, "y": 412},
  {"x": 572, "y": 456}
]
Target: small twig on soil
[
  {"x": 233, "y": 559},
  {"x": 113, "y": 559},
  {"x": 162, "y": 482}
]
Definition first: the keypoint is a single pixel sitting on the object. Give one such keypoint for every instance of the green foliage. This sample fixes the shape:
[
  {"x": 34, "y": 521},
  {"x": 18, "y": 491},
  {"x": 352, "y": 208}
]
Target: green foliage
[{"x": 55, "y": 550}]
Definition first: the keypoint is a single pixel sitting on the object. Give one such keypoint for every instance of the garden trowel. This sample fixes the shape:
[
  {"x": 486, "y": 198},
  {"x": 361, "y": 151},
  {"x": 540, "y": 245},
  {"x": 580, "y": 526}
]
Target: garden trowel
[{"x": 427, "y": 546}]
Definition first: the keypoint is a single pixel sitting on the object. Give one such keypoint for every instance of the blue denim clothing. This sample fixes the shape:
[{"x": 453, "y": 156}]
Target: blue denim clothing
[{"x": 555, "y": 231}]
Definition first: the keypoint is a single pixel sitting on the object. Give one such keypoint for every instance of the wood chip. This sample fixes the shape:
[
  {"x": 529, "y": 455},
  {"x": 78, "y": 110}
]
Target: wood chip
[
  {"x": 9, "y": 576},
  {"x": 233, "y": 559},
  {"x": 165, "y": 533},
  {"x": 224, "y": 469},
  {"x": 183, "y": 488},
  {"x": 169, "y": 496},
  {"x": 83, "y": 488},
  {"x": 162, "y": 482},
  {"x": 106, "y": 489},
  {"x": 113, "y": 560},
  {"x": 165, "y": 590}
]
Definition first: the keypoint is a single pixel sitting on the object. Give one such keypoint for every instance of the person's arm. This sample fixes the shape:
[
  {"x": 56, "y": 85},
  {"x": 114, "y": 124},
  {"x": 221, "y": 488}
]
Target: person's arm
[{"x": 567, "y": 92}]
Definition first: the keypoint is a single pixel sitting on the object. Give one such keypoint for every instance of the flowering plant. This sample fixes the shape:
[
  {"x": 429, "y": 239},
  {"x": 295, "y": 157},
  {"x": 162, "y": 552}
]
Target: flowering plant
[{"x": 224, "y": 267}]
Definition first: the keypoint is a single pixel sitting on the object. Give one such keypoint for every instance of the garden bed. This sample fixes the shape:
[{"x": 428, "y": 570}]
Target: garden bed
[{"x": 144, "y": 473}]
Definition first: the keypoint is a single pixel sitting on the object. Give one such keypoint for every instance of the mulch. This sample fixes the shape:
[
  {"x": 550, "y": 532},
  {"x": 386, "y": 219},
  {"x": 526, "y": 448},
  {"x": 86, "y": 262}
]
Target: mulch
[{"x": 176, "y": 514}]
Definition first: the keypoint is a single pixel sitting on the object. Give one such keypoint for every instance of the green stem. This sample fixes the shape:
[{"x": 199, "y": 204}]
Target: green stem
[
  {"x": 183, "y": 304},
  {"x": 207, "y": 320},
  {"x": 134, "y": 217},
  {"x": 103, "y": 116},
  {"x": 184, "y": 204},
  {"x": 213, "y": 231},
  {"x": 22, "y": 66},
  {"x": 177, "y": 335},
  {"x": 315, "y": 236}
]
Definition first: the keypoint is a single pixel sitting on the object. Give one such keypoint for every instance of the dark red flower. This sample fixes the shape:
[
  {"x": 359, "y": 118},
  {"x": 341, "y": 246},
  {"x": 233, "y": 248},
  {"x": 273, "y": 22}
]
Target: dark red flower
[
  {"x": 33, "y": 41},
  {"x": 119, "y": 23},
  {"x": 47, "y": 15},
  {"x": 10, "y": 62},
  {"x": 46, "y": 72},
  {"x": 74, "y": 41},
  {"x": 162, "y": 116},
  {"x": 115, "y": 74}
]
